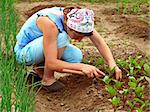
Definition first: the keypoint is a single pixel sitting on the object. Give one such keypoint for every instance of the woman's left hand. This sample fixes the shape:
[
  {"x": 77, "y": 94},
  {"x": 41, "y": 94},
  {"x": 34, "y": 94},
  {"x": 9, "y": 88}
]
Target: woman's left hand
[{"x": 118, "y": 73}]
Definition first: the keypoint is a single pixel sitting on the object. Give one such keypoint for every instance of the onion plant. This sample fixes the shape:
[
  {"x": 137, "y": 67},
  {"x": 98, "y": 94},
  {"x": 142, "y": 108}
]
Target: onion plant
[{"x": 14, "y": 90}]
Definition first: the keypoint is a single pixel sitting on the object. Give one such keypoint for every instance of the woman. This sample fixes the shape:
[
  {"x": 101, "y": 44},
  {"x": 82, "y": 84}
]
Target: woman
[{"x": 44, "y": 38}]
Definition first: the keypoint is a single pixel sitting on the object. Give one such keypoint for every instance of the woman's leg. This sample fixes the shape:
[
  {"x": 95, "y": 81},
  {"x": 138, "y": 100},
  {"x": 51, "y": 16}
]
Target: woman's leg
[
  {"x": 72, "y": 54},
  {"x": 32, "y": 53},
  {"x": 47, "y": 78}
]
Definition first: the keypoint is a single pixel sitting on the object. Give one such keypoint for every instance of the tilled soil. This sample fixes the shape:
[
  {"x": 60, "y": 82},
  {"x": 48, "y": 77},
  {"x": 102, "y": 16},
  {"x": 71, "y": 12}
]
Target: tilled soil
[{"x": 125, "y": 34}]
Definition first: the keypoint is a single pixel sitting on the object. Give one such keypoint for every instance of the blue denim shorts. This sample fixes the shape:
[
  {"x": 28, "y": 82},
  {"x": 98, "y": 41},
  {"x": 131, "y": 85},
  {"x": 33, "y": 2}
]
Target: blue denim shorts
[{"x": 33, "y": 53}]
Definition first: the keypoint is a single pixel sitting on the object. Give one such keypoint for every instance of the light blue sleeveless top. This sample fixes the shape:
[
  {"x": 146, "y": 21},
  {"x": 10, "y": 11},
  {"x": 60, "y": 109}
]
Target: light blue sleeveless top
[{"x": 30, "y": 31}]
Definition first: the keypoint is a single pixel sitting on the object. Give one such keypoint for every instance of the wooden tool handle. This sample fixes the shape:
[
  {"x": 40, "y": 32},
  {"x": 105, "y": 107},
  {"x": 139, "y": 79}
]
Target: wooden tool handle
[{"x": 73, "y": 71}]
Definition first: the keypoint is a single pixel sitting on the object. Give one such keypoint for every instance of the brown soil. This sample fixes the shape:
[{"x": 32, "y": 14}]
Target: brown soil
[
  {"x": 79, "y": 95},
  {"x": 135, "y": 28},
  {"x": 82, "y": 94}
]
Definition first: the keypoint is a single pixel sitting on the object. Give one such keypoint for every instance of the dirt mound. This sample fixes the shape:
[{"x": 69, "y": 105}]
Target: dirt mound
[
  {"x": 119, "y": 19},
  {"x": 114, "y": 11},
  {"x": 134, "y": 28},
  {"x": 39, "y": 7},
  {"x": 81, "y": 94}
]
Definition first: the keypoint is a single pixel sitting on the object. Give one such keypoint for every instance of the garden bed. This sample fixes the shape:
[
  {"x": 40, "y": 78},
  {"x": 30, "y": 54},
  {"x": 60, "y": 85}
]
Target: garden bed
[{"x": 128, "y": 38}]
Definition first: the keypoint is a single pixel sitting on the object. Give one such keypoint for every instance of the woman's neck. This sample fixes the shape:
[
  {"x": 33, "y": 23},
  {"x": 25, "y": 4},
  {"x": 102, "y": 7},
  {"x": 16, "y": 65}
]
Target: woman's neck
[{"x": 65, "y": 27}]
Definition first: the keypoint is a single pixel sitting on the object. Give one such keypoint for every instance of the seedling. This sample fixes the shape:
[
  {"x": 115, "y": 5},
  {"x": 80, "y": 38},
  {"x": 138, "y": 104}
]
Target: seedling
[
  {"x": 138, "y": 110},
  {"x": 143, "y": 104},
  {"x": 131, "y": 104},
  {"x": 132, "y": 85},
  {"x": 109, "y": 71},
  {"x": 107, "y": 80},
  {"x": 122, "y": 4},
  {"x": 147, "y": 78},
  {"x": 115, "y": 102},
  {"x": 123, "y": 64},
  {"x": 125, "y": 4},
  {"x": 86, "y": 61},
  {"x": 99, "y": 62},
  {"x": 134, "y": 66},
  {"x": 118, "y": 84},
  {"x": 112, "y": 91},
  {"x": 136, "y": 7},
  {"x": 139, "y": 90},
  {"x": 124, "y": 92},
  {"x": 132, "y": 78},
  {"x": 147, "y": 69}
]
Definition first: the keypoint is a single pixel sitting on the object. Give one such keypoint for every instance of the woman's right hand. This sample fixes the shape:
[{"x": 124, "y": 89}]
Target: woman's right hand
[{"x": 91, "y": 71}]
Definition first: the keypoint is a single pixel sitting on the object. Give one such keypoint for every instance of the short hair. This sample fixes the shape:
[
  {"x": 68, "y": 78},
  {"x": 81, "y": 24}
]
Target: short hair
[{"x": 85, "y": 34}]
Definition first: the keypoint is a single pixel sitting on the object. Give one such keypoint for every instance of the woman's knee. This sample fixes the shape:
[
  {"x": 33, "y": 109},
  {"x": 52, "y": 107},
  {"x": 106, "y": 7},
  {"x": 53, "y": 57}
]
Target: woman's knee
[
  {"x": 72, "y": 54},
  {"x": 32, "y": 53}
]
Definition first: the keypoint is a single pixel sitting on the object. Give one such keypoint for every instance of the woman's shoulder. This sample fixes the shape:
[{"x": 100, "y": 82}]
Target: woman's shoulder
[
  {"x": 52, "y": 10},
  {"x": 55, "y": 14}
]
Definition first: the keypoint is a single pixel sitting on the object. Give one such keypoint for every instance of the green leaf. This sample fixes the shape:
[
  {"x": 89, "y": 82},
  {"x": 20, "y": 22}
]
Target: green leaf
[
  {"x": 122, "y": 63},
  {"x": 145, "y": 104},
  {"x": 131, "y": 70},
  {"x": 141, "y": 78},
  {"x": 112, "y": 91},
  {"x": 132, "y": 78},
  {"x": 125, "y": 91},
  {"x": 86, "y": 61},
  {"x": 138, "y": 67},
  {"x": 139, "y": 90},
  {"x": 148, "y": 79},
  {"x": 147, "y": 68},
  {"x": 112, "y": 71},
  {"x": 116, "y": 101},
  {"x": 138, "y": 100},
  {"x": 118, "y": 84},
  {"x": 138, "y": 110},
  {"x": 107, "y": 79},
  {"x": 130, "y": 104},
  {"x": 132, "y": 84},
  {"x": 100, "y": 61}
]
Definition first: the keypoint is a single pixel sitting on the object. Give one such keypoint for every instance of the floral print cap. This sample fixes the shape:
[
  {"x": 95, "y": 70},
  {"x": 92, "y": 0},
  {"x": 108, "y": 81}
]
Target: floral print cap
[{"x": 81, "y": 20}]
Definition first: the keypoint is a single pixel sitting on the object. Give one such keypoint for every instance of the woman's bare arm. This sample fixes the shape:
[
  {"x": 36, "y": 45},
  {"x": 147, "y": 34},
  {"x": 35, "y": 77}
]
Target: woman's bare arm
[
  {"x": 105, "y": 52},
  {"x": 103, "y": 48},
  {"x": 50, "y": 33}
]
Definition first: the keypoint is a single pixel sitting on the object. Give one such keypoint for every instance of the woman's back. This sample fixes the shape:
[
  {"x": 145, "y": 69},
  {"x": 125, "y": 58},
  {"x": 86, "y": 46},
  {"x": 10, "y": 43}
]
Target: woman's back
[{"x": 30, "y": 30}]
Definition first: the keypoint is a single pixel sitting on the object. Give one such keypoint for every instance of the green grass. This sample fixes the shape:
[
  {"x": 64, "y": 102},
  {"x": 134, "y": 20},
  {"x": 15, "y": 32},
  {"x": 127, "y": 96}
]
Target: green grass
[{"x": 14, "y": 89}]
